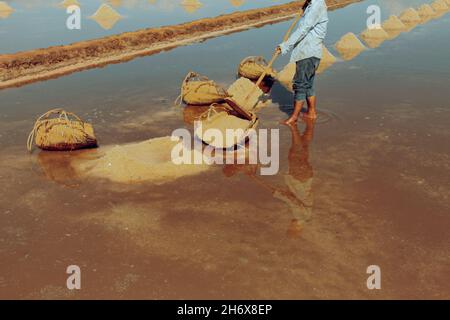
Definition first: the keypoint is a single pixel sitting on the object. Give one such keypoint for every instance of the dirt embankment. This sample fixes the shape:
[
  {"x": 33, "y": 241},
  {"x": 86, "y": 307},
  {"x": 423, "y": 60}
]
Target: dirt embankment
[{"x": 40, "y": 64}]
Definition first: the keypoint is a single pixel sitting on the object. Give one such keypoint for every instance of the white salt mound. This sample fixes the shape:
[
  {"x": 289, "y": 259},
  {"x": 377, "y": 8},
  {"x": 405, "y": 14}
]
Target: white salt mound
[
  {"x": 439, "y": 6},
  {"x": 106, "y": 16},
  {"x": 237, "y": 3},
  {"x": 425, "y": 11},
  {"x": 191, "y": 5},
  {"x": 146, "y": 161},
  {"x": 376, "y": 33},
  {"x": 286, "y": 75},
  {"x": 410, "y": 15},
  {"x": 393, "y": 23},
  {"x": 349, "y": 46},
  {"x": 5, "y": 7},
  {"x": 374, "y": 37},
  {"x": 327, "y": 57},
  {"x": 68, "y": 3}
]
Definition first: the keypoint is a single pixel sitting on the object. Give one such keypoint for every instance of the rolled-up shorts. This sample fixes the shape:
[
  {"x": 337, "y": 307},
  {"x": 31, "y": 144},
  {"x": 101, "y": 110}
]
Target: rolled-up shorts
[{"x": 303, "y": 82}]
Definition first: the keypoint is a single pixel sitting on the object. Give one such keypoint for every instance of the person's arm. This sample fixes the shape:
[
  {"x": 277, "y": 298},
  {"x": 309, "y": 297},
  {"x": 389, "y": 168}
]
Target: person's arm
[{"x": 305, "y": 25}]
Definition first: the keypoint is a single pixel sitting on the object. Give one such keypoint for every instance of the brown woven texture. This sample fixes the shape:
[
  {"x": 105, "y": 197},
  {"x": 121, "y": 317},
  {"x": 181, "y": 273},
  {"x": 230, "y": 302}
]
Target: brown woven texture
[
  {"x": 59, "y": 130},
  {"x": 253, "y": 67},
  {"x": 199, "y": 90}
]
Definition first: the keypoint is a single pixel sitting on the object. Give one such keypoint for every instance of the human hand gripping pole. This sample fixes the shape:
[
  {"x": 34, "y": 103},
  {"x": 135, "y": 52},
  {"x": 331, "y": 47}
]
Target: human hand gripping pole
[{"x": 274, "y": 57}]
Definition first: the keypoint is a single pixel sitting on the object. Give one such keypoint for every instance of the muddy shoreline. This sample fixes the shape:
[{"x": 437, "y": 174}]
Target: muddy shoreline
[{"x": 21, "y": 68}]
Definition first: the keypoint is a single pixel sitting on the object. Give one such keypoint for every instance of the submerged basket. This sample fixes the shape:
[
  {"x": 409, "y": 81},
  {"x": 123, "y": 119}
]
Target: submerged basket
[
  {"x": 221, "y": 118},
  {"x": 253, "y": 67},
  {"x": 55, "y": 131},
  {"x": 199, "y": 90}
]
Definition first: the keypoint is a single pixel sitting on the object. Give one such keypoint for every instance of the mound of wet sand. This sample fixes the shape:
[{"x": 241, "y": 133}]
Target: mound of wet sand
[
  {"x": 349, "y": 46},
  {"x": 25, "y": 67},
  {"x": 410, "y": 15},
  {"x": 147, "y": 161},
  {"x": 374, "y": 37}
]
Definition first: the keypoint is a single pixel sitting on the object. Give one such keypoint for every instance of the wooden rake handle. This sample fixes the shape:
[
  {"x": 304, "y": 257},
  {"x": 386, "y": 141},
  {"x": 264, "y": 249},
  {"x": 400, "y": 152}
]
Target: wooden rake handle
[{"x": 274, "y": 57}]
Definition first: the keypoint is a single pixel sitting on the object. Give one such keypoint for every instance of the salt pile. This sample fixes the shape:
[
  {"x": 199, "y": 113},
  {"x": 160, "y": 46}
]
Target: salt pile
[
  {"x": 191, "y": 5},
  {"x": 349, "y": 46},
  {"x": 286, "y": 75},
  {"x": 374, "y": 37},
  {"x": 5, "y": 10},
  {"x": 439, "y": 6},
  {"x": 5, "y": 7},
  {"x": 327, "y": 60},
  {"x": 393, "y": 23},
  {"x": 237, "y": 3},
  {"x": 106, "y": 17},
  {"x": 146, "y": 161},
  {"x": 68, "y": 3},
  {"x": 115, "y": 3},
  {"x": 426, "y": 10},
  {"x": 410, "y": 15}
]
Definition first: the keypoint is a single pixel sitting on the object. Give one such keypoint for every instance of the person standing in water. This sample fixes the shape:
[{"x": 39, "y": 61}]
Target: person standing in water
[{"x": 306, "y": 45}]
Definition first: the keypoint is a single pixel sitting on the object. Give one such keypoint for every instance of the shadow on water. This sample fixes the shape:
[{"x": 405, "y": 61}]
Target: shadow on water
[{"x": 283, "y": 98}]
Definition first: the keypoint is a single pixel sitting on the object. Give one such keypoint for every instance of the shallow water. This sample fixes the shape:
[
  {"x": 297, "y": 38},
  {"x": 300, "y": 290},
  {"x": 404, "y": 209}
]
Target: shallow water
[
  {"x": 378, "y": 161},
  {"x": 42, "y": 23}
]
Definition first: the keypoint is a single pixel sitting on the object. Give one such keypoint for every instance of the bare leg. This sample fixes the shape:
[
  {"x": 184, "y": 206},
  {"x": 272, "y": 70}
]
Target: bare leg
[
  {"x": 298, "y": 105},
  {"x": 311, "y": 114}
]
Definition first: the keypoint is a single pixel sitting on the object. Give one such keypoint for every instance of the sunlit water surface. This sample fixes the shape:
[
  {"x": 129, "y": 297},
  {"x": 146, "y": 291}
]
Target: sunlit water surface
[{"x": 376, "y": 166}]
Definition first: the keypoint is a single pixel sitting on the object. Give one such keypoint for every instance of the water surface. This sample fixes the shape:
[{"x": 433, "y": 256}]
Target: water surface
[{"x": 375, "y": 172}]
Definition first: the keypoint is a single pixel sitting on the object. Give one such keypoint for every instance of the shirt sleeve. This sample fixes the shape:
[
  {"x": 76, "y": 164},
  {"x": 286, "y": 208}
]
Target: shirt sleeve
[{"x": 309, "y": 20}]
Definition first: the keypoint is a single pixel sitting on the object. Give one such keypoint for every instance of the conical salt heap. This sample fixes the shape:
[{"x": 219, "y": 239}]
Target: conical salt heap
[
  {"x": 439, "y": 6},
  {"x": 68, "y": 3},
  {"x": 237, "y": 3},
  {"x": 286, "y": 75},
  {"x": 426, "y": 13},
  {"x": 106, "y": 17},
  {"x": 393, "y": 27},
  {"x": 191, "y": 5},
  {"x": 327, "y": 60},
  {"x": 349, "y": 46},
  {"x": 115, "y": 3},
  {"x": 393, "y": 23},
  {"x": 5, "y": 10},
  {"x": 426, "y": 10},
  {"x": 374, "y": 37},
  {"x": 410, "y": 15}
]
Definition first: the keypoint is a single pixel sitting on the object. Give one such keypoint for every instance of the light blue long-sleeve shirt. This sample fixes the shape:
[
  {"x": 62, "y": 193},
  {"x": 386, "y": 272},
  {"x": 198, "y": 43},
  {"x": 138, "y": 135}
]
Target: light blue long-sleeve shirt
[{"x": 307, "y": 39}]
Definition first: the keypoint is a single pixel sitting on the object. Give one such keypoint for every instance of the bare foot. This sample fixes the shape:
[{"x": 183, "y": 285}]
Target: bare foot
[
  {"x": 310, "y": 115},
  {"x": 289, "y": 122}
]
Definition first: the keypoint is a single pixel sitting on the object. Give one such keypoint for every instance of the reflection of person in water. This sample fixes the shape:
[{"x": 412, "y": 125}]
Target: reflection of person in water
[
  {"x": 298, "y": 195},
  {"x": 299, "y": 178}
]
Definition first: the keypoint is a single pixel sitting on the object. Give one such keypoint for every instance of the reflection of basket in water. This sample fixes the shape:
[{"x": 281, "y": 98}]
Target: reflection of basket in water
[
  {"x": 59, "y": 133},
  {"x": 218, "y": 120},
  {"x": 253, "y": 67},
  {"x": 199, "y": 90}
]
